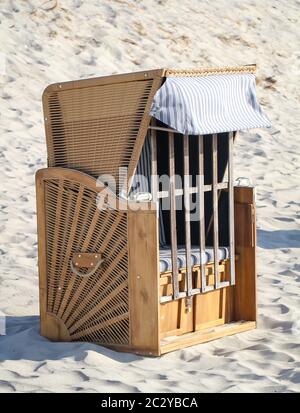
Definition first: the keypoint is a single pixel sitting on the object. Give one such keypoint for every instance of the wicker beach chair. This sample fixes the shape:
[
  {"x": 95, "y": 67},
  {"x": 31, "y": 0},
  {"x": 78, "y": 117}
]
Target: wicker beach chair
[{"x": 126, "y": 263}]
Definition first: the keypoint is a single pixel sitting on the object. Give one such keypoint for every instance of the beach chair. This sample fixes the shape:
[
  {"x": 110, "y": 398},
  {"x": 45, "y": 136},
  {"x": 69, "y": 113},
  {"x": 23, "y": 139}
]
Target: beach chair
[{"x": 145, "y": 243}]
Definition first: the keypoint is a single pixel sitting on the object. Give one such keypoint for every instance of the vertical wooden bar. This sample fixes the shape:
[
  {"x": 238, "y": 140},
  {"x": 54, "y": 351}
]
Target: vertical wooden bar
[
  {"x": 215, "y": 208},
  {"x": 245, "y": 307},
  {"x": 204, "y": 287},
  {"x": 173, "y": 215},
  {"x": 231, "y": 208},
  {"x": 143, "y": 262},
  {"x": 186, "y": 197}
]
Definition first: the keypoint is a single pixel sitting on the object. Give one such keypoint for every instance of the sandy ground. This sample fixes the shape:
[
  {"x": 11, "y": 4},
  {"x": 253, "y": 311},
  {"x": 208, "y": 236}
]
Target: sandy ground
[{"x": 40, "y": 45}]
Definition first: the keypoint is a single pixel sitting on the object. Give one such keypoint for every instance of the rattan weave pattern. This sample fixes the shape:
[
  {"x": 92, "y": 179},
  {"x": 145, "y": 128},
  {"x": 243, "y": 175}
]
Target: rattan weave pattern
[
  {"x": 210, "y": 71},
  {"x": 94, "y": 129},
  {"x": 94, "y": 308}
]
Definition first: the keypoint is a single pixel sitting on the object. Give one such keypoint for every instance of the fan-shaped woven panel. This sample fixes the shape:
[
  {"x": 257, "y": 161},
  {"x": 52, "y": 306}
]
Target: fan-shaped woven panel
[
  {"x": 98, "y": 128},
  {"x": 93, "y": 308}
]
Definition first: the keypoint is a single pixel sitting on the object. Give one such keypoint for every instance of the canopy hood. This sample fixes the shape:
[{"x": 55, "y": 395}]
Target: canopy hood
[{"x": 209, "y": 104}]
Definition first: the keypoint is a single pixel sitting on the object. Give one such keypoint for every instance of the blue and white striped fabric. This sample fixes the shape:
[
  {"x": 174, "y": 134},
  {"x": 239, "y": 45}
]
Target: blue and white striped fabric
[
  {"x": 165, "y": 260},
  {"x": 209, "y": 104}
]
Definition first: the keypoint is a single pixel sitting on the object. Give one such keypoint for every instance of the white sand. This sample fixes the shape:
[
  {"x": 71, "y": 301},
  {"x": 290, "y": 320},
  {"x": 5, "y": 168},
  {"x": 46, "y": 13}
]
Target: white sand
[{"x": 82, "y": 39}]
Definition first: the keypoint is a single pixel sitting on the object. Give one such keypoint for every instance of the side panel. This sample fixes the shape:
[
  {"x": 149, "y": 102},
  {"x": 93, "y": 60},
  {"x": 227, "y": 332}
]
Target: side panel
[
  {"x": 245, "y": 239},
  {"x": 81, "y": 305},
  {"x": 143, "y": 281}
]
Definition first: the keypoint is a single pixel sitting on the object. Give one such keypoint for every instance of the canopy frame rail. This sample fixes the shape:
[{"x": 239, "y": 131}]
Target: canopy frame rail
[{"x": 201, "y": 188}]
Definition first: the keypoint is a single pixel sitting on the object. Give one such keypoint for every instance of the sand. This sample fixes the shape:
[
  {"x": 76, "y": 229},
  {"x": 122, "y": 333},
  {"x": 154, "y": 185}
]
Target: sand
[{"x": 76, "y": 39}]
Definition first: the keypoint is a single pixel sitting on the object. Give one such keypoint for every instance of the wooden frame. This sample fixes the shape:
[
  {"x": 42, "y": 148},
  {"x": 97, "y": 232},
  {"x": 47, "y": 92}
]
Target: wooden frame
[
  {"x": 144, "y": 281},
  {"x": 215, "y": 187},
  {"x": 236, "y": 305},
  {"x": 147, "y": 329}
]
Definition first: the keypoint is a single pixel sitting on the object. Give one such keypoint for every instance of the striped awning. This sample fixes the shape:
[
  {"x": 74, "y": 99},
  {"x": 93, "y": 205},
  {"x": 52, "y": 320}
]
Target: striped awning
[{"x": 209, "y": 104}]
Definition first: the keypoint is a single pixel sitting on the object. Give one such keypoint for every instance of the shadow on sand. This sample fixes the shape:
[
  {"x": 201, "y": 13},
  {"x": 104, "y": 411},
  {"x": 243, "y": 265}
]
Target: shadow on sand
[
  {"x": 22, "y": 341},
  {"x": 278, "y": 239}
]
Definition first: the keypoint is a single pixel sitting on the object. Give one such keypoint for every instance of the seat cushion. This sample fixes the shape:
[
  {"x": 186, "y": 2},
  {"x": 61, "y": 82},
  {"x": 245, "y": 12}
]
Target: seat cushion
[{"x": 165, "y": 261}]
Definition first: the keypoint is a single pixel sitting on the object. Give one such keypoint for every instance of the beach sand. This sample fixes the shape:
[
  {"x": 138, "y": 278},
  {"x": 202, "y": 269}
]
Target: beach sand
[{"x": 47, "y": 41}]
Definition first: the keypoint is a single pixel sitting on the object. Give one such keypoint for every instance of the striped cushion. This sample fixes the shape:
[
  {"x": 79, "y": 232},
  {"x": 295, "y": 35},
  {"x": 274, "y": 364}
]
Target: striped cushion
[
  {"x": 209, "y": 104},
  {"x": 165, "y": 261}
]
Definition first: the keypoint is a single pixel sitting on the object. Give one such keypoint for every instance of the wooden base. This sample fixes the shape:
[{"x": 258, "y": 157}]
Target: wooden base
[
  {"x": 152, "y": 328},
  {"x": 190, "y": 339}
]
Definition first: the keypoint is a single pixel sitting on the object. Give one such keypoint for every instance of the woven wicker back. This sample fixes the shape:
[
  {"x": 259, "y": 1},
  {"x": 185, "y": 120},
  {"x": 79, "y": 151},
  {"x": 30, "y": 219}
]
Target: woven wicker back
[{"x": 99, "y": 125}]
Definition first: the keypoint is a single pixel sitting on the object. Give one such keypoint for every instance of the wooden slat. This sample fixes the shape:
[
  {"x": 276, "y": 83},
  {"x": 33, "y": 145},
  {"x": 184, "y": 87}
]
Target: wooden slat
[
  {"x": 65, "y": 301},
  {"x": 215, "y": 208},
  {"x": 231, "y": 208},
  {"x": 208, "y": 310},
  {"x": 74, "y": 314},
  {"x": 65, "y": 272},
  {"x": 162, "y": 129},
  {"x": 218, "y": 283},
  {"x": 204, "y": 286},
  {"x": 173, "y": 215},
  {"x": 190, "y": 339},
  {"x": 71, "y": 312},
  {"x": 167, "y": 298},
  {"x": 55, "y": 240},
  {"x": 90, "y": 315},
  {"x": 178, "y": 192},
  {"x": 192, "y": 190},
  {"x": 220, "y": 185},
  {"x": 103, "y": 325},
  {"x": 186, "y": 196},
  {"x": 166, "y": 277},
  {"x": 201, "y": 211}
]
